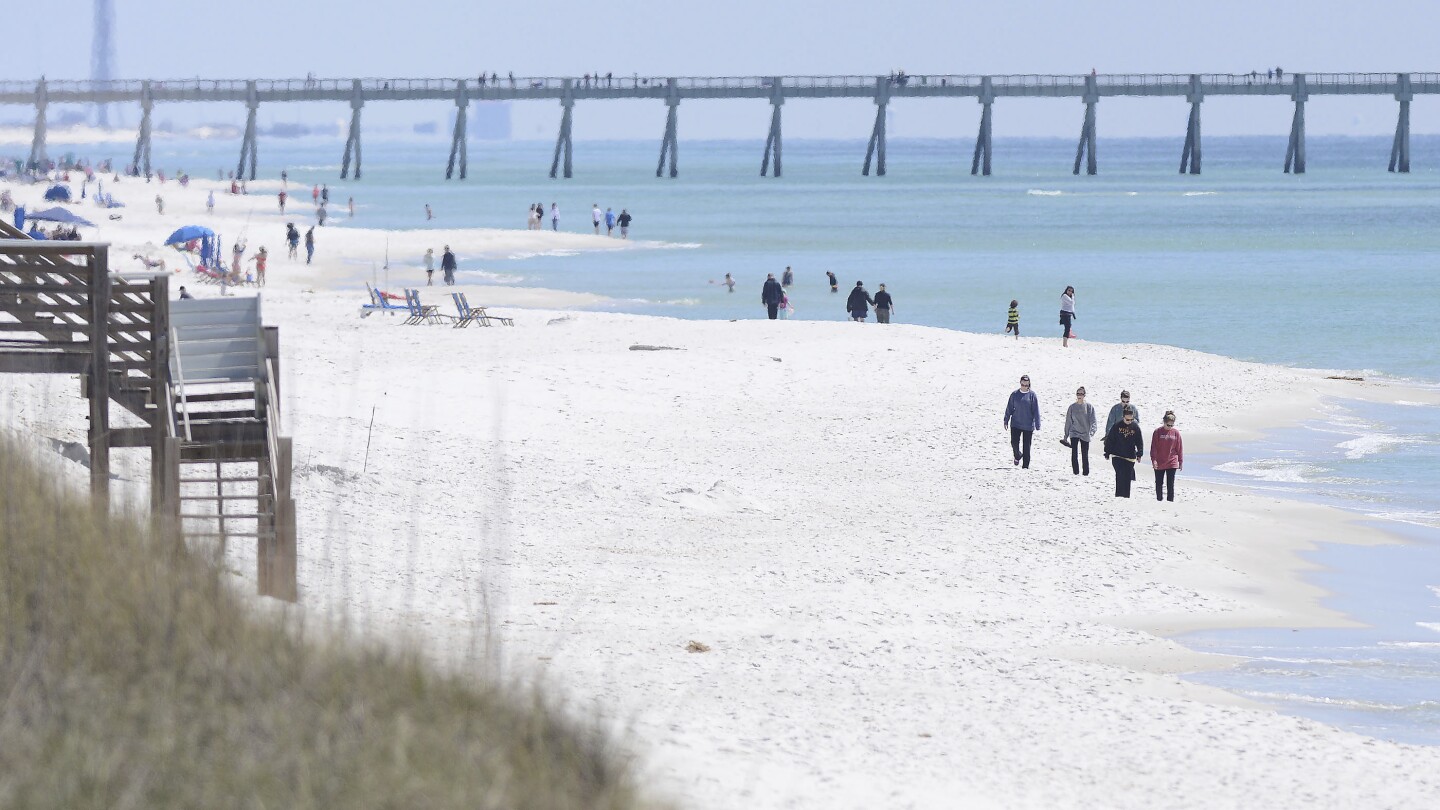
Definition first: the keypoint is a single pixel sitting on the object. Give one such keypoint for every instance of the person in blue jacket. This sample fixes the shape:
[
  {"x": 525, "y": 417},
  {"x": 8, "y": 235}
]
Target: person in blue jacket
[{"x": 1022, "y": 417}]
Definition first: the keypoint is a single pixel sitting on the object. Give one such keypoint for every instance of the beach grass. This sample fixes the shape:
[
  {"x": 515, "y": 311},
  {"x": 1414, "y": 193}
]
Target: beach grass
[{"x": 132, "y": 675}]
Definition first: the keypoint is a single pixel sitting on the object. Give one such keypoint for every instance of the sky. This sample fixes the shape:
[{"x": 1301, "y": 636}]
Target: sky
[{"x": 448, "y": 38}]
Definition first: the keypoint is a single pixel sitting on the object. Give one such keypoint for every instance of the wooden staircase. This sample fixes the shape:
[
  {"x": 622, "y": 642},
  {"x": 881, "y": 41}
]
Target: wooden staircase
[{"x": 200, "y": 377}]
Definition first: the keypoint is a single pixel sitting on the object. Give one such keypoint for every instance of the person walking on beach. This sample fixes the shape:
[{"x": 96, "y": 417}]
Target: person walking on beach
[
  {"x": 609, "y": 222},
  {"x": 595, "y": 217},
  {"x": 771, "y": 294},
  {"x": 429, "y": 267},
  {"x": 787, "y": 278},
  {"x": 834, "y": 282},
  {"x": 292, "y": 238},
  {"x": 309, "y": 244},
  {"x": 884, "y": 305},
  {"x": 282, "y": 201},
  {"x": 1167, "y": 456},
  {"x": 785, "y": 308},
  {"x": 159, "y": 204},
  {"x": 1080, "y": 424},
  {"x": 1117, "y": 411},
  {"x": 1012, "y": 321},
  {"x": 237, "y": 250},
  {"x": 554, "y": 216},
  {"x": 1067, "y": 314},
  {"x": 858, "y": 304},
  {"x": 448, "y": 266},
  {"x": 1124, "y": 445},
  {"x": 210, "y": 203},
  {"x": 1022, "y": 418},
  {"x": 624, "y": 221}
]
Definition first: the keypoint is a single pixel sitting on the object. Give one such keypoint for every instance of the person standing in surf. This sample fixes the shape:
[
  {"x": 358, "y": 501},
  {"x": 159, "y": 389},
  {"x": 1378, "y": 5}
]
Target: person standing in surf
[
  {"x": 1080, "y": 424},
  {"x": 1067, "y": 314},
  {"x": 788, "y": 277},
  {"x": 1124, "y": 445},
  {"x": 884, "y": 305},
  {"x": 1022, "y": 419},
  {"x": 834, "y": 282},
  {"x": 1167, "y": 456}
]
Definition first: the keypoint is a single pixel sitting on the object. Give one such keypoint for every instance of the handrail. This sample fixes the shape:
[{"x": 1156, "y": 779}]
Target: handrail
[
  {"x": 180, "y": 372},
  {"x": 272, "y": 431}
]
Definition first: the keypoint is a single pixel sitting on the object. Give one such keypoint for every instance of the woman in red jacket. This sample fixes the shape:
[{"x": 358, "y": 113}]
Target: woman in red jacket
[{"x": 1167, "y": 455}]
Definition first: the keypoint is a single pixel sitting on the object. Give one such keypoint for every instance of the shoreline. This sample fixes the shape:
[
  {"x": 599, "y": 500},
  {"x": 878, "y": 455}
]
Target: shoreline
[{"x": 863, "y": 537}]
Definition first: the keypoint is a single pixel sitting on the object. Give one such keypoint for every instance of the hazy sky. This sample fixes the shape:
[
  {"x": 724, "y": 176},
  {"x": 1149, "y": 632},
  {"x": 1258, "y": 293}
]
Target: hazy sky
[{"x": 282, "y": 38}]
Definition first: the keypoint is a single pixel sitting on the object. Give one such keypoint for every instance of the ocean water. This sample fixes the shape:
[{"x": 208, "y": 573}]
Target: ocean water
[{"x": 1332, "y": 269}]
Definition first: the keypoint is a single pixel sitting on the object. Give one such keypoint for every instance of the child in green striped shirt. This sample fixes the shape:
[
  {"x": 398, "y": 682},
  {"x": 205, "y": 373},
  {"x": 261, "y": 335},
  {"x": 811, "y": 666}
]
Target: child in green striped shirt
[{"x": 1012, "y": 324}]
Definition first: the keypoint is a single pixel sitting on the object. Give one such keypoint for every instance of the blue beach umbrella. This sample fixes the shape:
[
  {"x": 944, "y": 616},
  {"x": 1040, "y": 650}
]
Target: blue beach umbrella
[
  {"x": 58, "y": 214},
  {"x": 188, "y": 233},
  {"x": 58, "y": 194}
]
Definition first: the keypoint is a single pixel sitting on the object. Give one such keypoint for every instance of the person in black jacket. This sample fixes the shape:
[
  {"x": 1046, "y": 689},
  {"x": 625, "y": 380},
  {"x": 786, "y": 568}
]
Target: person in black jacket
[
  {"x": 448, "y": 266},
  {"x": 884, "y": 305},
  {"x": 858, "y": 304},
  {"x": 770, "y": 296},
  {"x": 1124, "y": 445}
]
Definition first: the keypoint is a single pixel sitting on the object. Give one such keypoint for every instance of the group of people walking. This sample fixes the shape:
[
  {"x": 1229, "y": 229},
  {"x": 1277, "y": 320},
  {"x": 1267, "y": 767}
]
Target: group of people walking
[
  {"x": 448, "y": 266},
  {"x": 1123, "y": 442},
  {"x": 776, "y": 297},
  {"x": 535, "y": 221}
]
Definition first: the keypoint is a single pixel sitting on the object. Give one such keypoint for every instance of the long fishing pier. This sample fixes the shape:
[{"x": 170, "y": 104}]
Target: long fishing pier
[{"x": 1089, "y": 89}]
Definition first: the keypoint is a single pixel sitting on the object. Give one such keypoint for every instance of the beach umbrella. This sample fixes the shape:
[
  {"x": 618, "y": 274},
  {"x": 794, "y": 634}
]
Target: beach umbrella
[
  {"x": 58, "y": 214},
  {"x": 188, "y": 233},
  {"x": 20, "y": 217},
  {"x": 58, "y": 194}
]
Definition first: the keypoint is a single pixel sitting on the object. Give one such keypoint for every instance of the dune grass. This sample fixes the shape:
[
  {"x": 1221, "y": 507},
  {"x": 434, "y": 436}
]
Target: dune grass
[{"x": 131, "y": 676}]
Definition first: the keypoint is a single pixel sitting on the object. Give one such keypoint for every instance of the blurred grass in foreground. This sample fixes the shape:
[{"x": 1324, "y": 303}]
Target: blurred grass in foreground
[{"x": 131, "y": 677}]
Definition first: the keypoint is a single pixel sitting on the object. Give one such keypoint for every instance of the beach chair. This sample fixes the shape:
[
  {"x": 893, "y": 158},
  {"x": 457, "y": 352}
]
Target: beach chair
[
  {"x": 379, "y": 303},
  {"x": 421, "y": 313},
  {"x": 467, "y": 315},
  {"x": 479, "y": 313}
]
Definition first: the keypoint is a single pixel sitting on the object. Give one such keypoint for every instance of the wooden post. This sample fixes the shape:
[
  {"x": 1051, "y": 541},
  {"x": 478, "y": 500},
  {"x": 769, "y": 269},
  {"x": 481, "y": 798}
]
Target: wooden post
[
  {"x": 276, "y": 562},
  {"x": 159, "y": 391},
  {"x": 98, "y": 386}
]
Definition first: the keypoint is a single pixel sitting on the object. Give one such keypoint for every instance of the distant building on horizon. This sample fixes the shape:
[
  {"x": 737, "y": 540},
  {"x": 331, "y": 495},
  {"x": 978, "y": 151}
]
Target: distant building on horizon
[{"x": 486, "y": 121}]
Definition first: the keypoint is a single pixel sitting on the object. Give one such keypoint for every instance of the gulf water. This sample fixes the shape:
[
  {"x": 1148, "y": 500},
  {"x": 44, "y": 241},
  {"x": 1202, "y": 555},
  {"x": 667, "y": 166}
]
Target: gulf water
[{"x": 1333, "y": 269}]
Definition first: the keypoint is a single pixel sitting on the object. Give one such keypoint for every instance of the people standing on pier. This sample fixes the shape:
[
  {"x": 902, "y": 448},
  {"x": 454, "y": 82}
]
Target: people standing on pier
[
  {"x": 1080, "y": 425},
  {"x": 1167, "y": 455},
  {"x": 1067, "y": 313},
  {"x": 1012, "y": 321},
  {"x": 1279, "y": 75},
  {"x": 859, "y": 302},
  {"x": 1022, "y": 419},
  {"x": 834, "y": 282},
  {"x": 282, "y": 201},
  {"x": 624, "y": 221},
  {"x": 609, "y": 222},
  {"x": 1124, "y": 445},
  {"x": 787, "y": 278},
  {"x": 292, "y": 238},
  {"x": 884, "y": 305},
  {"x": 429, "y": 267},
  {"x": 1118, "y": 410},
  {"x": 309, "y": 244},
  {"x": 595, "y": 217},
  {"x": 771, "y": 294},
  {"x": 448, "y": 266},
  {"x": 554, "y": 216}
]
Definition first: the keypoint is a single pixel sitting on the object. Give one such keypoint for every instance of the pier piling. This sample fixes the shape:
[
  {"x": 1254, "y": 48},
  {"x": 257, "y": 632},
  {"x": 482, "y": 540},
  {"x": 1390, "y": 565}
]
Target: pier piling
[
  {"x": 669, "y": 145},
  {"x": 562, "y": 142},
  {"x": 1190, "y": 155},
  {"x": 357, "y": 101},
  {"x": 1400, "y": 150},
  {"x": 37, "y": 144},
  {"x": 772, "y": 141},
  {"x": 141, "y": 164},
  {"x": 981, "y": 161},
  {"x": 876, "y": 149},
  {"x": 458, "y": 140},
  {"x": 1295, "y": 149},
  {"x": 247, "y": 144},
  {"x": 1086, "y": 149}
]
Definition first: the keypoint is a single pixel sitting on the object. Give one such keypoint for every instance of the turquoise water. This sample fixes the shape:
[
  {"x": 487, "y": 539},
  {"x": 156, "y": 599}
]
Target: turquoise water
[{"x": 1333, "y": 269}]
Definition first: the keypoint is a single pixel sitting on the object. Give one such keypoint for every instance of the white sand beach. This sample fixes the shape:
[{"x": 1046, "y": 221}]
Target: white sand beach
[{"x": 891, "y": 614}]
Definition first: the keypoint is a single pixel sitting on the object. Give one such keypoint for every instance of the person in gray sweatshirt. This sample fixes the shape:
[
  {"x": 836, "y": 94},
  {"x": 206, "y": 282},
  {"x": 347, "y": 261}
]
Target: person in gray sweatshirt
[
  {"x": 1080, "y": 424},
  {"x": 1117, "y": 412}
]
